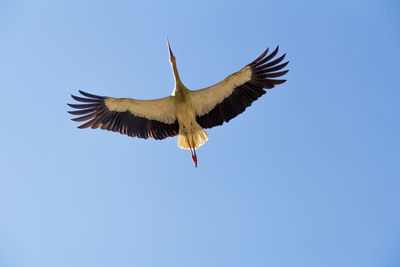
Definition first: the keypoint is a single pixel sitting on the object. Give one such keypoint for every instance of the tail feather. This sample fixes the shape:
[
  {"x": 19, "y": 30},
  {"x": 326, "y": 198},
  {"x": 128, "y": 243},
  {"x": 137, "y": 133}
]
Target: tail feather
[{"x": 192, "y": 139}]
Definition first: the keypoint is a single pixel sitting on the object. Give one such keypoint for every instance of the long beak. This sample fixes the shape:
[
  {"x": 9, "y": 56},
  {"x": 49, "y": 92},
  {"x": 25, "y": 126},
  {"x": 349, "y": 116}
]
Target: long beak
[{"x": 171, "y": 56}]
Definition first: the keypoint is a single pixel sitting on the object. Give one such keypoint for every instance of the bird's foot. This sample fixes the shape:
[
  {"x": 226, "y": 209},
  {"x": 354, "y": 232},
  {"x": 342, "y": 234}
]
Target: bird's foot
[{"x": 194, "y": 158}]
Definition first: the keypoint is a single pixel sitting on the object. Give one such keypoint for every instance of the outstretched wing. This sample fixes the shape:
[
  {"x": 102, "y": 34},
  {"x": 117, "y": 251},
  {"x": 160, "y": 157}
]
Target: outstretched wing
[
  {"x": 140, "y": 118},
  {"x": 225, "y": 100}
]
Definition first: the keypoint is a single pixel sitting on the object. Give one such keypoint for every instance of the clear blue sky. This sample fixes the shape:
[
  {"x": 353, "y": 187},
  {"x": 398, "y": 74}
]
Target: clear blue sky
[{"x": 308, "y": 176}]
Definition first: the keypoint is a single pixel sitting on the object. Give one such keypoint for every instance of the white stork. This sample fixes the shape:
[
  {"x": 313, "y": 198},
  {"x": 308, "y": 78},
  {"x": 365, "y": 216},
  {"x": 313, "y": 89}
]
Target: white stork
[{"x": 185, "y": 112}]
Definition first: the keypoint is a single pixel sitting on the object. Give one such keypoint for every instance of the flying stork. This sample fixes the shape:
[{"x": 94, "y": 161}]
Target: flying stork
[{"x": 185, "y": 112}]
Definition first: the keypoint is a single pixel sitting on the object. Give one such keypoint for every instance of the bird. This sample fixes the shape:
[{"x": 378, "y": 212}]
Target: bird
[{"x": 185, "y": 113}]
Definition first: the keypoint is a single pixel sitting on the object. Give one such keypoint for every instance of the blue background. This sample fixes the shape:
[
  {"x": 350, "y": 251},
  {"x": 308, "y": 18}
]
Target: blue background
[{"x": 307, "y": 176}]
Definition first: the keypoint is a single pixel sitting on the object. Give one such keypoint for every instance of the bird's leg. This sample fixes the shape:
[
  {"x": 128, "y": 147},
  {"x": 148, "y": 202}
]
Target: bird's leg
[{"x": 194, "y": 157}]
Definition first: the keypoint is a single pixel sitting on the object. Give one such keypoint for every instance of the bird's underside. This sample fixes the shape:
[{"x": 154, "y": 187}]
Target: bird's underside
[{"x": 184, "y": 113}]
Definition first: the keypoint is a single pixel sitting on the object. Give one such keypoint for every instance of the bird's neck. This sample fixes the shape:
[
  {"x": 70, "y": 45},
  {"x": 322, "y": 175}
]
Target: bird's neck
[
  {"x": 179, "y": 87},
  {"x": 175, "y": 71}
]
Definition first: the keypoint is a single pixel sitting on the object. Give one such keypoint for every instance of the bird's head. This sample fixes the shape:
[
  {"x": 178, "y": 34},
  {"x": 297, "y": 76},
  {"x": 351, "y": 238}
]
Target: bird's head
[{"x": 171, "y": 56}]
